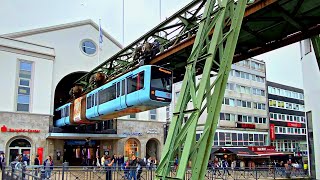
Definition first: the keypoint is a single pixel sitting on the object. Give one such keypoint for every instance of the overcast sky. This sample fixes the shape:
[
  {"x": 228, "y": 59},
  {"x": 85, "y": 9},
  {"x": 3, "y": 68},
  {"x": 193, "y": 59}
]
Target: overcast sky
[{"x": 140, "y": 16}]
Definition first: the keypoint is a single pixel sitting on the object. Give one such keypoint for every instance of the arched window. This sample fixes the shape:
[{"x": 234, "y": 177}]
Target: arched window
[
  {"x": 20, "y": 143},
  {"x": 132, "y": 147}
]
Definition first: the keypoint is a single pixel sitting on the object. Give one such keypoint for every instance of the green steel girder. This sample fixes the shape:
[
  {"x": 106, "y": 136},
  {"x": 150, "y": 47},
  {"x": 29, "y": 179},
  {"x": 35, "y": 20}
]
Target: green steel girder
[
  {"x": 226, "y": 18},
  {"x": 316, "y": 46},
  {"x": 171, "y": 31}
]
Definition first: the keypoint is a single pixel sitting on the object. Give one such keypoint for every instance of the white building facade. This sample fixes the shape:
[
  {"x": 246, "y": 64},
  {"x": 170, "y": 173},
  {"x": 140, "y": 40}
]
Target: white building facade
[
  {"x": 38, "y": 68},
  {"x": 311, "y": 78},
  {"x": 244, "y": 113}
]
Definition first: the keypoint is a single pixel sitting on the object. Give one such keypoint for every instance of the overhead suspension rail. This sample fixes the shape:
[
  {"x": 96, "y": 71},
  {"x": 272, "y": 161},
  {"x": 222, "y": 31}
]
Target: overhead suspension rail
[{"x": 172, "y": 31}]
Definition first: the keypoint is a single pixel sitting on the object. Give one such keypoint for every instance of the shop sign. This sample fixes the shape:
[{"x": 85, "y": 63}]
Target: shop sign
[
  {"x": 272, "y": 132},
  {"x": 152, "y": 131},
  {"x": 132, "y": 133},
  {"x": 262, "y": 148},
  {"x": 292, "y": 124},
  {"x": 249, "y": 126},
  {"x": 6, "y": 129}
]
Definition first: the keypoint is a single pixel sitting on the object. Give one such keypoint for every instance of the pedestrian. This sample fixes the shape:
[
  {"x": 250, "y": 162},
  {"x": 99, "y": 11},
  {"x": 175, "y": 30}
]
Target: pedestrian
[
  {"x": 103, "y": 159},
  {"x": 133, "y": 168},
  {"x": 108, "y": 165},
  {"x": 141, "y": 164},
  {"x": 36, "y": 163},
  {"x": 2, "y": 160},
  {"x": 48, "y": 166},
  {"x": 305, "y": 168}
]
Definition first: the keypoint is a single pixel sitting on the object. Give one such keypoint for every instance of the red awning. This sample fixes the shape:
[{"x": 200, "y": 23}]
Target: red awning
[{"x": 271, "y": 153}]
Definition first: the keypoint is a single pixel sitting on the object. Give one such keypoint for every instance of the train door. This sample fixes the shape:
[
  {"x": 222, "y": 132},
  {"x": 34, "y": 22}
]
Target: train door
[
  {"x": 96, "y": 103},
  {"x": 123, "y": 94},
  {"x": 117, "y": 104},
  {"x": 132, "y": 97}
]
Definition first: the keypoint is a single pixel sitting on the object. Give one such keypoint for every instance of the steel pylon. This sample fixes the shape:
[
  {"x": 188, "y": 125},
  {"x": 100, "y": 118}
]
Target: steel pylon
[
  {"x": 316, "y": 46},
  {"x": 215, "y": 44}
]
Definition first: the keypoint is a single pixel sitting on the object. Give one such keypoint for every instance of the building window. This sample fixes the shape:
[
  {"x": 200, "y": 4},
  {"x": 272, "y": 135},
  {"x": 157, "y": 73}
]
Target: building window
[
  {"x": 132, "y": 116},
  {"x": 25, "y": 81},
  {"x": 153, "y": 114},
  {"x": 88, "y": 47},
  {"x": 168, "y": 112}
]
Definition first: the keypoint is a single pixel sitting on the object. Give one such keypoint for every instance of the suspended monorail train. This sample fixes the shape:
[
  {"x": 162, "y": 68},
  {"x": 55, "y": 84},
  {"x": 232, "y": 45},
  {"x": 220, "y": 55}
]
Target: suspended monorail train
[{"x": 147, "y": 87}]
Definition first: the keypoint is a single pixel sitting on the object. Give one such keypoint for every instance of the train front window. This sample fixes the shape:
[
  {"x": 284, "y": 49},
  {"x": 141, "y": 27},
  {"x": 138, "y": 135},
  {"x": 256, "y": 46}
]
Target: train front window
[{"x": 161, "y": 79}]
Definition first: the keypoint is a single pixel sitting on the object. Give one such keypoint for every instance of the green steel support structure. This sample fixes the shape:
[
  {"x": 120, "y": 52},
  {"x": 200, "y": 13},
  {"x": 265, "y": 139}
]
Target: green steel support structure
[
  {"x": 225, "y": 17},
  {"x": 316, "y": 46}
]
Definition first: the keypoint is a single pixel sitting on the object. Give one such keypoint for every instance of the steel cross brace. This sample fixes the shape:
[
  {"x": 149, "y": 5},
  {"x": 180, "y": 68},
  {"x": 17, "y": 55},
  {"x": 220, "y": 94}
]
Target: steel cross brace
[{"x": 226, "y": 18}]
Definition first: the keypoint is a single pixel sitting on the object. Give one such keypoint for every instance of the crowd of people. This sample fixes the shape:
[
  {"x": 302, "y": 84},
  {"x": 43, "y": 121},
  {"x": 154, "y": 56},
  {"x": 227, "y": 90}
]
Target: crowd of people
[{"x": 132, "y": 167}]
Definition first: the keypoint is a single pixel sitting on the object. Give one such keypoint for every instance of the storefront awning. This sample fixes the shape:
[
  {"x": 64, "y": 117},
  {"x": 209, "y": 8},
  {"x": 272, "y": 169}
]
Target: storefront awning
[
  {"x": 239, "y": 151},
  {"x": 84, "y": 136},
  {"x": 272, "y": 153}
]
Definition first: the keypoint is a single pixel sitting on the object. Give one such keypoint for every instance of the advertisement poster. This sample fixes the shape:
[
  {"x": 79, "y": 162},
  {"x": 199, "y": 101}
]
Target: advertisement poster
[
  {"x": 40, "y": 153},
  {"x": 77, "y": 110}
]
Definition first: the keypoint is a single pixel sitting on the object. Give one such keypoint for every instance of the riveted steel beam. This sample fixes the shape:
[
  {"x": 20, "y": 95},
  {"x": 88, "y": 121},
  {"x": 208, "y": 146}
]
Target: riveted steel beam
[{"x": 210, "y": 47}]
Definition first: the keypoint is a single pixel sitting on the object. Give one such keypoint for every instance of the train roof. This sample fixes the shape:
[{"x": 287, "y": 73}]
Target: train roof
[{"x": 61, "y": 107}]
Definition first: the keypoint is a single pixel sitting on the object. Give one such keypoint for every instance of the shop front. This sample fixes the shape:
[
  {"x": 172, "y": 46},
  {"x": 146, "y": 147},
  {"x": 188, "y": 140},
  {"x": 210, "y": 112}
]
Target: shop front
[
  {"x": 144, "y": 139},
  {"x": 22, "y": 134},
  {"x": 81, "y": 149}
]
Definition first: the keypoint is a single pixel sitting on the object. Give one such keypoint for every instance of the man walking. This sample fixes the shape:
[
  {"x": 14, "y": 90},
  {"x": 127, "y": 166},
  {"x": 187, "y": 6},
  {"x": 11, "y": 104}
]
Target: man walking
[{"x": 2, "y": 160}]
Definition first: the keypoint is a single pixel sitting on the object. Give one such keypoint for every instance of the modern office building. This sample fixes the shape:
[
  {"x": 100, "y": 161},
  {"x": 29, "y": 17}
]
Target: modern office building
[
  {"x": 244, "y": 113},
  {"x": 287, "y": 120},
  {"x": 39, "y": 67},
  {"x": 311, "y": 86}
]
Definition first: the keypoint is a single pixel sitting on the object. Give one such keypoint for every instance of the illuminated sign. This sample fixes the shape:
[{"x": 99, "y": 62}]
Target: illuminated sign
[
  {"x": 262, "y": 148},
  {"x": 152, "y": 131},
  {"x": 292, "y": 124},
  {"x": 272, "y": 132},
  {"x": 6, "y": 129},
  {"x": 249, "y": 126},
  {"x": 132, "y": 133},
  {"x": 165, "y": 71}
]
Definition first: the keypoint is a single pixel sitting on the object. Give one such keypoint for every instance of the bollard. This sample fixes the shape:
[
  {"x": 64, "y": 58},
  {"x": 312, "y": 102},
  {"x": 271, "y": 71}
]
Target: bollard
[
  {"x": 43, "y": 174},
  {"x": 63, "y": 169}
]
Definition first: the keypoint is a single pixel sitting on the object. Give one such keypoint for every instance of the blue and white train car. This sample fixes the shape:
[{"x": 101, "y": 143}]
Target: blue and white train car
[
  {"x": 147, "y": 87},
  {"x": 62, "y": 115}
]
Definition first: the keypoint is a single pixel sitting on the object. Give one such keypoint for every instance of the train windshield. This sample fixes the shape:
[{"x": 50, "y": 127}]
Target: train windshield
[{"x": 161, "y": 79}]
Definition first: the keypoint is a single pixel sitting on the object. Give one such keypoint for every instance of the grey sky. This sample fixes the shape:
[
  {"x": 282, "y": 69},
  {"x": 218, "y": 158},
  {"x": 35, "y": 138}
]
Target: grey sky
[{"x": 283, "y": 65}]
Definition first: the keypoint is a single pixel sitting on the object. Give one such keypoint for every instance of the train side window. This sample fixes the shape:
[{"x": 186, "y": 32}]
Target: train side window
[
  {"x": 118, "y": 89},
  {"x": 89, "y": 102},
  {"x": 58, "y": 114},
  {"x": 66, "y": 111},
  {"x": 63, "y": 112},
  {"x": 96, "y": 99},
  {"x": 135, "y": 82},
  {"x": 107, "y": 94},
  {"x": 92, "y": 100},
  {"x": 141, "y": 80},
  {"x": 123, "y": 89},
  {"x": 132, "y": 84},
  {"x": 112, "y": 92}
]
